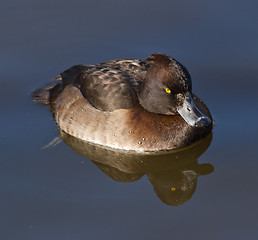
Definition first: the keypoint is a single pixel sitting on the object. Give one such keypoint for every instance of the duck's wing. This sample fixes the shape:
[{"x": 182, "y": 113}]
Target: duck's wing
[
  {"x": 107, "y": 89},
  {"x": 110, "y": 85},
  {"x": 70, "y": 75}
]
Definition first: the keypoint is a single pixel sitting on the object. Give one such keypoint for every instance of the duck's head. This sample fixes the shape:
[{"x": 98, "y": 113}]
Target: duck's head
[{"x": 167, "y": 89}]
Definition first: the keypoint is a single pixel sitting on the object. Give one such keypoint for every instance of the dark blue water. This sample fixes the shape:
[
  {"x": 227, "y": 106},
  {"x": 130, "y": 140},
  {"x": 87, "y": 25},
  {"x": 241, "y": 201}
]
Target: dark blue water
[{"x": 57, "y": 194}]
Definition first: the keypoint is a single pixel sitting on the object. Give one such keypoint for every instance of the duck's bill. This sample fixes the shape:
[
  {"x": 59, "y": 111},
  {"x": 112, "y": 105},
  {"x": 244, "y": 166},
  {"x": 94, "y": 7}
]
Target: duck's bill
[{"x": 192, "y": 115}]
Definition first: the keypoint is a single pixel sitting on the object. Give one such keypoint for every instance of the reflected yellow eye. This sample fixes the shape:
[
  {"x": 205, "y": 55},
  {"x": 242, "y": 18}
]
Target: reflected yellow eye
[
  {"x": 168, "y": 90},
  {"x": 173, "y": 189}
]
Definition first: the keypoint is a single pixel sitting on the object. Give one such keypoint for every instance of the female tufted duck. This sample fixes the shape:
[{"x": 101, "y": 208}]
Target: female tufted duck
[{"x": 127, "y": 104}]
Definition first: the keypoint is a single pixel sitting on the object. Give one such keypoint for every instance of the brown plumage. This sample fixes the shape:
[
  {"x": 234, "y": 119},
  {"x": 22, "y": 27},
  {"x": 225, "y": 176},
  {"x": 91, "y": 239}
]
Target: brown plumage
[{"x": 129, "y": 104}]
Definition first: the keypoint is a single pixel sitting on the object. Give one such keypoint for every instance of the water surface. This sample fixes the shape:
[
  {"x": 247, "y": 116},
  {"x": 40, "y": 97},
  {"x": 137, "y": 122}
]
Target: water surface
[{"x": 55, "y": 193}]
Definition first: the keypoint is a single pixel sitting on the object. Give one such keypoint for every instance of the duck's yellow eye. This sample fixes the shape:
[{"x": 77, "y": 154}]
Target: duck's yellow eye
[
  {"x": 168, "y": 90},
  {"x": 173, "y": 189}
]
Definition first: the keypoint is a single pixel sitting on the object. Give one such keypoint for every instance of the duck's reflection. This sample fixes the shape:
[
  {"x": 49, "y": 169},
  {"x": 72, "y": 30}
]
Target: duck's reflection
[{"x": 173, "y": 174}]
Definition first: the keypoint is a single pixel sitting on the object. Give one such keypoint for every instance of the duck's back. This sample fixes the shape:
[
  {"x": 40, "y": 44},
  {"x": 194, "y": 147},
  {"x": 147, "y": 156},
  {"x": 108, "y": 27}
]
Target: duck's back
[{"x": 108, "y": 86}]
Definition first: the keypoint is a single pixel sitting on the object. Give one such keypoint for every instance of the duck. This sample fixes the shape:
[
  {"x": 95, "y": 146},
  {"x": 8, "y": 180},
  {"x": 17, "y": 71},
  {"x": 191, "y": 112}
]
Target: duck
[{"x": 129, "y": 104}]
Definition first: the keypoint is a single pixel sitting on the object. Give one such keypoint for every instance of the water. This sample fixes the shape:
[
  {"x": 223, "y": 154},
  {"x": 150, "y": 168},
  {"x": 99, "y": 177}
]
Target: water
[{"x": 55, "y": 193}]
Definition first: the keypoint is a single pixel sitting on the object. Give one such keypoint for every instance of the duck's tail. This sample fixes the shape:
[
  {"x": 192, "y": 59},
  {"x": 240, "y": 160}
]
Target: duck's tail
[{"x": 47, "y": 94}]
